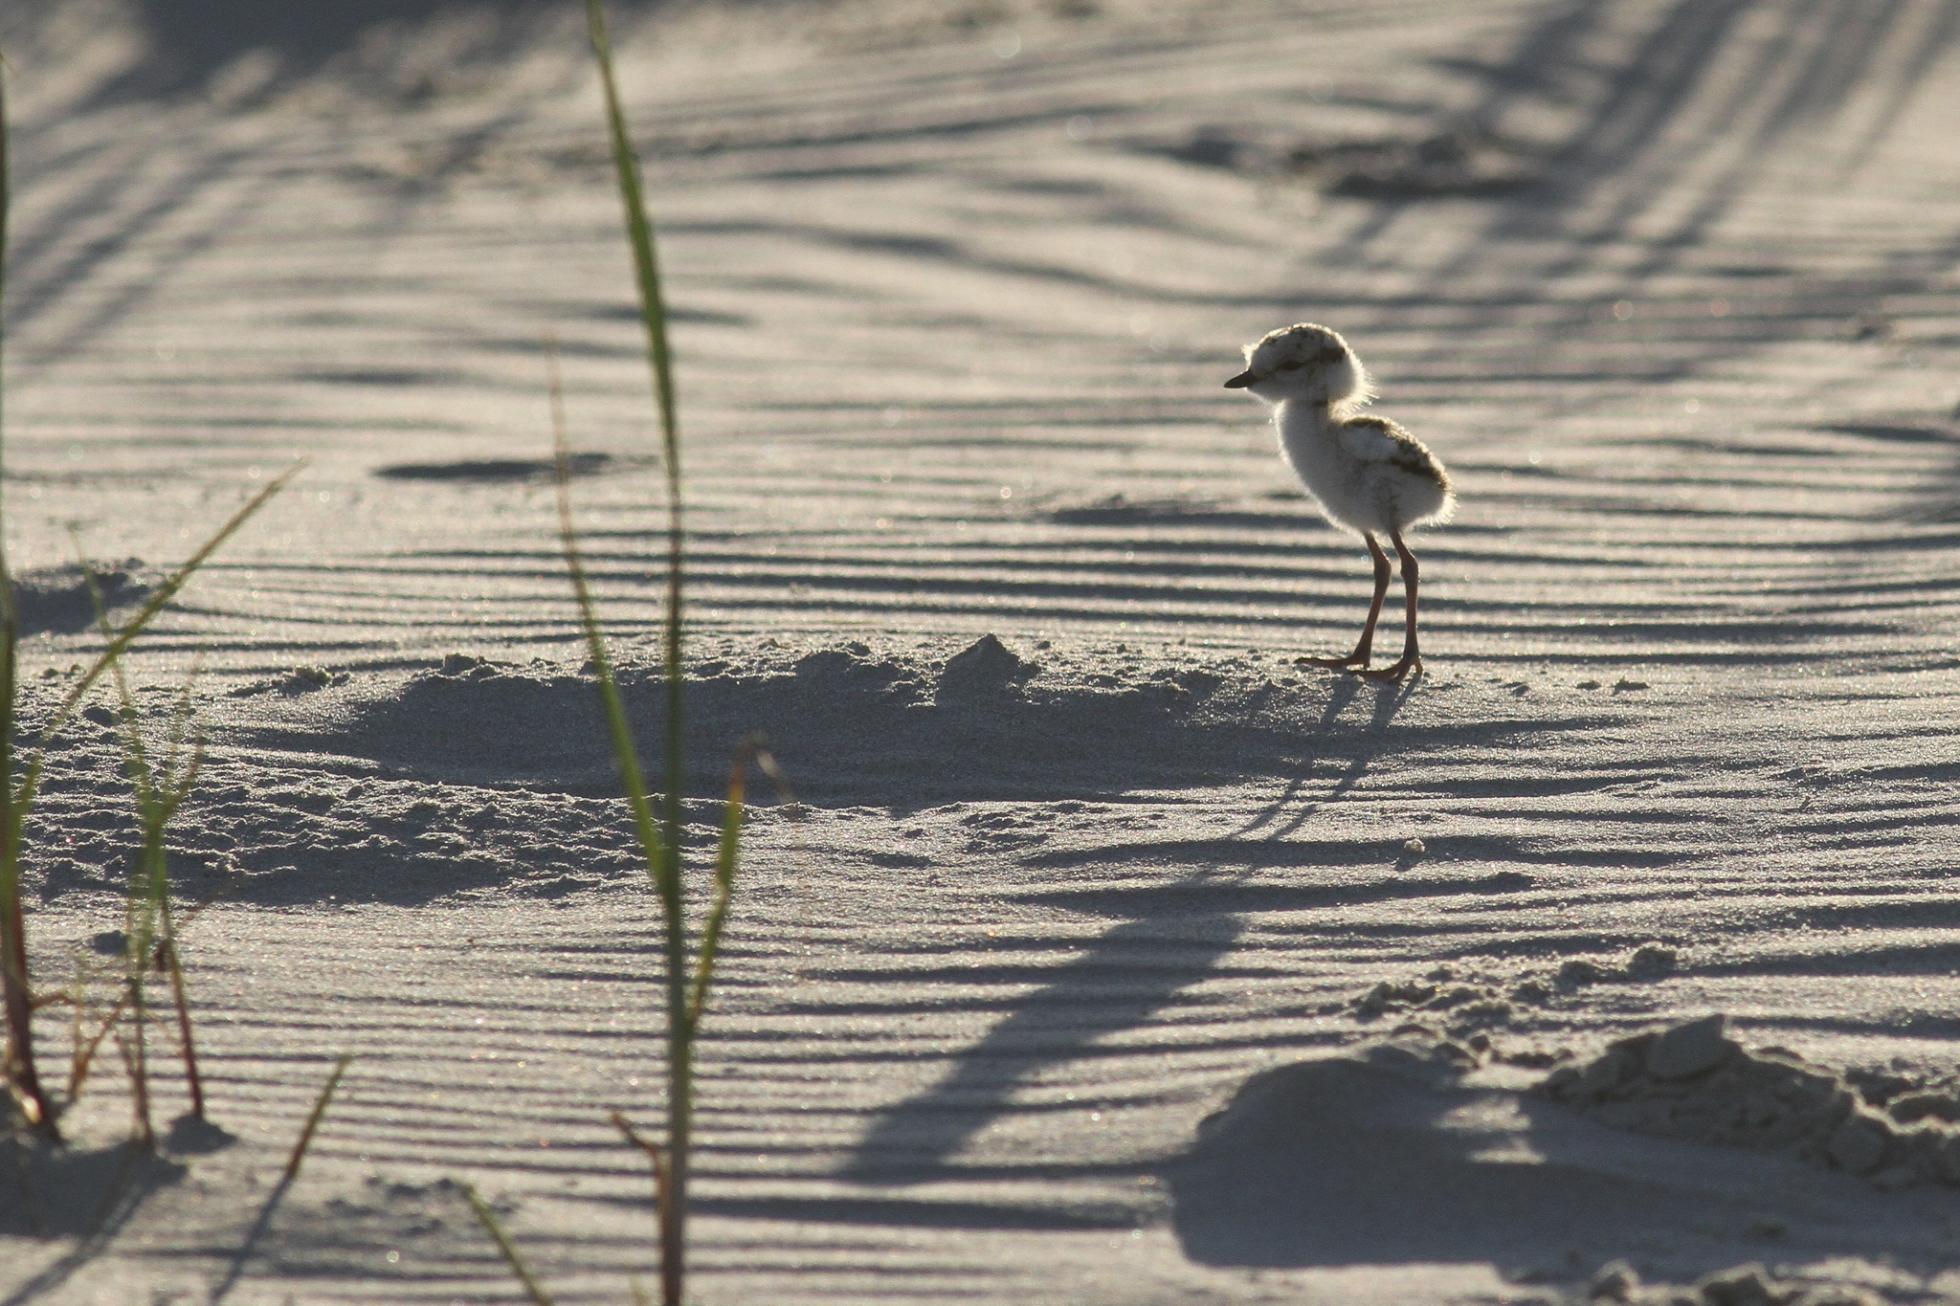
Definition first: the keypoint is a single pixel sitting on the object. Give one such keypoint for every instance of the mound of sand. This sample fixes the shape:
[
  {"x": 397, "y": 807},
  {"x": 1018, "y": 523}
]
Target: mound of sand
[
  {"x": 1415, "y": 1150},
  {"x": 1695, "y": 1081}
]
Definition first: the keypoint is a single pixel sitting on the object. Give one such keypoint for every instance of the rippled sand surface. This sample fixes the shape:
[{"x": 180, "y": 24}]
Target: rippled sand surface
[{"x": 1080, "y": 858}]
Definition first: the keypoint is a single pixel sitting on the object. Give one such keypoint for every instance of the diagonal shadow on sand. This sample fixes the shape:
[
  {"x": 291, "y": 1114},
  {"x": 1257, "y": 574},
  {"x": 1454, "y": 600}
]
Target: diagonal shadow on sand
[
  {"x": 1176, "y": 935},
  {"x": 1105, "y": 990},
  {"x": 89, "y": 1194}
]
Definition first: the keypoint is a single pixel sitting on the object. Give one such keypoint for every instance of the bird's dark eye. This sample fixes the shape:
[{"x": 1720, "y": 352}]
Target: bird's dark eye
[
  {"x": 1293, "y": 366},
  {"x": 1331, "y": 354}
]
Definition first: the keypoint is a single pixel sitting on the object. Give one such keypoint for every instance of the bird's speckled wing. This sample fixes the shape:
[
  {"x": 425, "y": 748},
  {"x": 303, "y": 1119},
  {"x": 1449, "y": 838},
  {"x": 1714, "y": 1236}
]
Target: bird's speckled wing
[{"x": 1372, "y": 439}]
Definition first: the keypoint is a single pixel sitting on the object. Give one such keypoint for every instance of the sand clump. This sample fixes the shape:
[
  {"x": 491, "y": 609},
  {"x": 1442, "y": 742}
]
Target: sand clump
[
  {"x": 59, "y": 599},
  {"x": 1695, "y": 1081},
  {"x": 984, "y": 667},
  {"x": 1742, "y": 1285},
  {"x": 1470, "y": 1003}
]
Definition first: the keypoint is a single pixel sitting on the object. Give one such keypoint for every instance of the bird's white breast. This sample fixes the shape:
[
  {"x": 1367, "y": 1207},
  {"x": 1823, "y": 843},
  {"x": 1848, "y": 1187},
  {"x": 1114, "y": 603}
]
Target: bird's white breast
[{"x": 1330, "y": 476}]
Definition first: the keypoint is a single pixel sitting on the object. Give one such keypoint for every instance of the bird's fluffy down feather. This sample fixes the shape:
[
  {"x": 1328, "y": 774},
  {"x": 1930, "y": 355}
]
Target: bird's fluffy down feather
[{"x": 1367, "y": 473}]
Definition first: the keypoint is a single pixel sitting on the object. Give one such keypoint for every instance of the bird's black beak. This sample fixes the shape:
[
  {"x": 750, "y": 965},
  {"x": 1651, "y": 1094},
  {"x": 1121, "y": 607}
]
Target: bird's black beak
[{"x": 1241, "y": 381}]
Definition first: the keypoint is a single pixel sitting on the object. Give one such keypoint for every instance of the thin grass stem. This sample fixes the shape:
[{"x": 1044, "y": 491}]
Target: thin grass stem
[
  {"x": 160, "y": 790},
  {"x": 494, "y": 1227},
  {"x": 305, "y": 1141},
  {"x": 663, "y": 1190},
  {"x": 84, "y": 1058},
  {"x": 124, "y": 637},
  {"x": 18, "y": 1071},
  {"x": 653, "y": 315},
  {"x": 139, "y": 1093},
  {"x": 193, "y": 1078},
  {"x": 618, "y": 727},
  {"x": 727, "y": 856}
]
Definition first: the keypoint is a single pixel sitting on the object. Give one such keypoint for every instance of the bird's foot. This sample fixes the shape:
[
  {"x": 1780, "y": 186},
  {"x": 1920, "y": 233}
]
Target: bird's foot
[
  {"x": 1354, "y": 660},
  {"x": 1408, "y": 666}
]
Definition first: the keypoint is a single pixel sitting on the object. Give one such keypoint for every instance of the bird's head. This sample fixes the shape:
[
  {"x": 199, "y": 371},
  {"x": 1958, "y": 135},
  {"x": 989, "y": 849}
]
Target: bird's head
[{"x": 1303, "y": 361}]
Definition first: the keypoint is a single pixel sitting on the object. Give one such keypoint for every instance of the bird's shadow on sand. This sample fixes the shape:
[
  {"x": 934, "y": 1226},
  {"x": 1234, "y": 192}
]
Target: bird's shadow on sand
[
  {"x": 1172, "y": 937},
  {"x": 1286, "y": 813}
]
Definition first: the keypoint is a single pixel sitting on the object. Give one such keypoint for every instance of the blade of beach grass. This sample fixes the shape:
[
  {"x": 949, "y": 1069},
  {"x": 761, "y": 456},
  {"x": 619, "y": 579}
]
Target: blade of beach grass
[
  {"x": 180, "y": 996},
  {"x": 618, "y": 728},
  {"x": 139, "y": 915},
  {"x": 77, "y": 1015},
  {"x": 166, "y": 953},
  {"x": 663, "y": 1194},
  {"x": 653, "y": 316},
  {"x": 126, "y": 636},
  {"x": 263, "y": 1221},
  {"x": 494, "y": 1227},
  {"x": 18, "y": 1072},
  {"x": 160, "y": 791},
  {"x": 85, "y": 1049},
  {"x": 313, "y": 1118},
  {"x": 639, "y": 231},
  {"x": 165, "y": 957},
  {"x": 139, "y": 1094},
  {"x": 661, "y": 869},
  {"x": 727, "y": 856}
]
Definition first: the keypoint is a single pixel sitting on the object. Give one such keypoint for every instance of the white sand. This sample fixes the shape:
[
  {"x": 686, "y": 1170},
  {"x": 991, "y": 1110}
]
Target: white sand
[{"x": 1672, "y": 289}]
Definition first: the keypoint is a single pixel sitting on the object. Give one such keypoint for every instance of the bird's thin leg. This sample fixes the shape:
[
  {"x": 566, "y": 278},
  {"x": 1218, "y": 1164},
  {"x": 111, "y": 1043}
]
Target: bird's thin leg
[
  {"x": 1411, "y": 660},
  {"x": 1359, "y": 658}
]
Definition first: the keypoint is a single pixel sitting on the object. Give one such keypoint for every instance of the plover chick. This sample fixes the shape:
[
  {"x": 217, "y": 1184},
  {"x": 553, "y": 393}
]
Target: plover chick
[{"x": 1367, "y": 474}]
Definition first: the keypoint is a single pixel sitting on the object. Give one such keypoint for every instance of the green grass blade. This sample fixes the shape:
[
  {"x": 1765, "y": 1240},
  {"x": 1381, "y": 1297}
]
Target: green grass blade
[
  {"x": 727, "y": 857},
  {"x": 136, "y": 758},
  {"x": 18, "y": 1070},
  {"x": 494, "y": 1227},
  {"x": 653, "y": 315},
  {"x": 30, "y": 783},
  {"x": 618, "y": 726},
  {"x": 180, "y": 995},
  {"x": 6, "y": 598},
  {"x": 152, "y": 933},
  {"x": 313, "y": 1118},
  {"x": 639, "y": 232}
]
